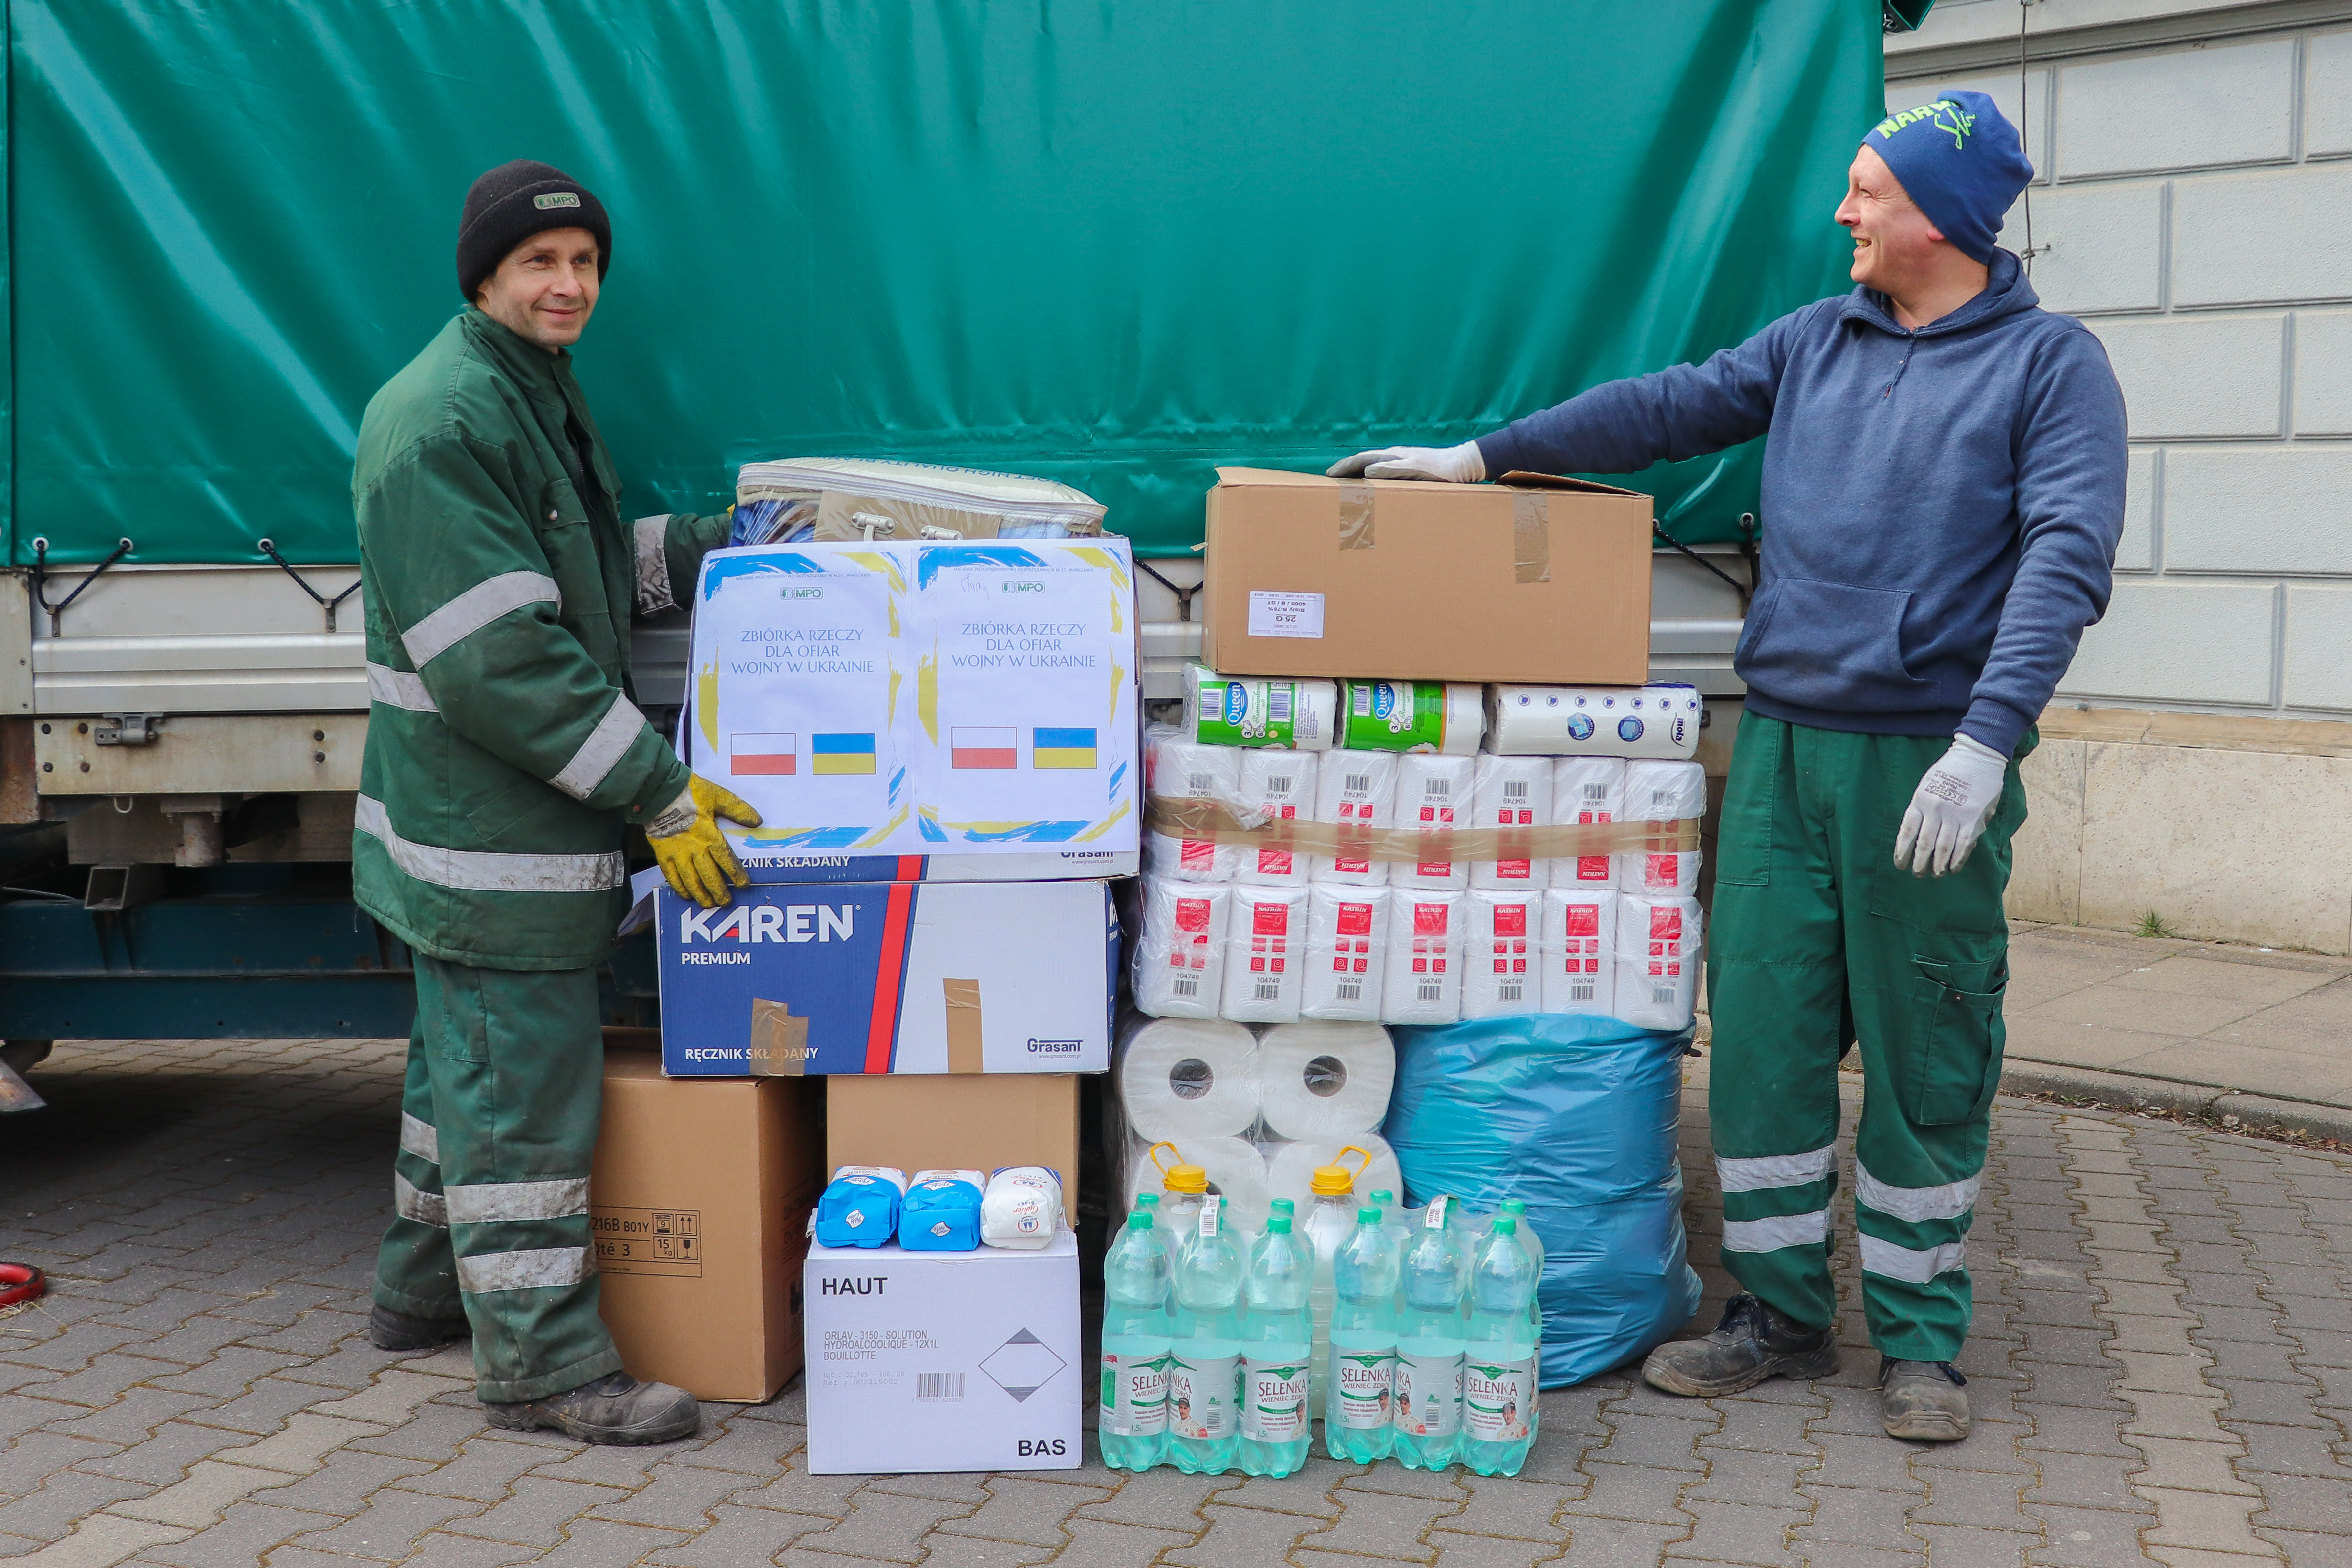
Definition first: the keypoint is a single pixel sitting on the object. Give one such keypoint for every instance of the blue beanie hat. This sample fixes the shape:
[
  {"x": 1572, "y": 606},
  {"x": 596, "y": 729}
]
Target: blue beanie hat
[{"x": 1960, "y": 161}]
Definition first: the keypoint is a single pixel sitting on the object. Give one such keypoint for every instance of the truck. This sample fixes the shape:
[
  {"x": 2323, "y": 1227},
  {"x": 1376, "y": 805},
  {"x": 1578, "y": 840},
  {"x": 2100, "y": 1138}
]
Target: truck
[{"x": 1115, "y": 246}]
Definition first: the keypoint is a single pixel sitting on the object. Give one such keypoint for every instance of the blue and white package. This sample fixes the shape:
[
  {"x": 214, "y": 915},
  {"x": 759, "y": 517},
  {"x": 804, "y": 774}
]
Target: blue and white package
[
  {"x": 860, "y": 1208},
  {"x": 941, "y": 1212}
]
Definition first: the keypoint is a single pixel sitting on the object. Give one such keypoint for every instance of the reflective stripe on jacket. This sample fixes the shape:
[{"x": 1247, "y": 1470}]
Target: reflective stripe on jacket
[{"x": 504, "y": 755}]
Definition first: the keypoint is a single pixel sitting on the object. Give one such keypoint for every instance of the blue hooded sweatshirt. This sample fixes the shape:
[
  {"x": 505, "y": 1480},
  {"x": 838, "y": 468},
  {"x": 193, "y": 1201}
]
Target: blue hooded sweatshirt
[{"x": 1941, "y": 509}]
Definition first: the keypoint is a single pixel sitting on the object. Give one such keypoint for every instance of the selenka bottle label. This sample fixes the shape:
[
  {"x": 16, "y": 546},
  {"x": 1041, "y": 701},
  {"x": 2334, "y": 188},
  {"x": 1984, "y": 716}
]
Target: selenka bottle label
[
  {"x": 1429, "y": 1395},
  {"x": 1134, "y": 1394},
  {"x": 1201, "y": 1396},
  {"x": 1496, "y": 1399},
  {"x": 1366, "y": 1385},
  {"x": 1273, "y": 1402}
]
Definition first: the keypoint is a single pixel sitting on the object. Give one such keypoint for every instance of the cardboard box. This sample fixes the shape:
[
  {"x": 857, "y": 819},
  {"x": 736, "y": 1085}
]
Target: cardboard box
[
  {"x": 894, "y": 977},
  {"x": 1537, "y": 580},
  {"x": 698, "y": 1199},
  {"x": 944, "y": 1361},
  {"x": 956, "y": 1123}
]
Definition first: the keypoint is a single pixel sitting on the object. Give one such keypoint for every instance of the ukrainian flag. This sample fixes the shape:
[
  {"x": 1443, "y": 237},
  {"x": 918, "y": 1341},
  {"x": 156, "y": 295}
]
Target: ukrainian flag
[
  {"x": 1063, "y": 749},
  {"x": 841, "y": 754}
]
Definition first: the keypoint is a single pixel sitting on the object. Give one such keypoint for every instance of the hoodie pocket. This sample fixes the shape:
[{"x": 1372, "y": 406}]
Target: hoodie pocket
[{"x": 1830, "y": 645}]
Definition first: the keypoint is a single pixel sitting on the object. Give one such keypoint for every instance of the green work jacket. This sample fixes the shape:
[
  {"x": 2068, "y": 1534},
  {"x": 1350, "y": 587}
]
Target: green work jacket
[{"x": 505, "y": 758}]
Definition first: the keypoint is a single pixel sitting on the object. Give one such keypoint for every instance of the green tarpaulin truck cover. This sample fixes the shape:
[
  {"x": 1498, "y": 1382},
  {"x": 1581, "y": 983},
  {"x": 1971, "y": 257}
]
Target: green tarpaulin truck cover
[{"x": 1110, "y": 244}]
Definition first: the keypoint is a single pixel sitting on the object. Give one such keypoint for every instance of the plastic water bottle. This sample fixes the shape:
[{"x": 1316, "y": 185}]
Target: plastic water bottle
[
  {"x": 1276, "y": 1338},
  {"x": 1431, "y": 1337},
  {"x": 1359, "y": 1415},
  {"x": 1498, "y": 1379},
  {"x": 1532, "y": 1244},
  {"x": 1204, "y": 1358},
  {"x": 1329, "y": 1222},
  {"x": 1138, "y": 1278},
  {"x": 1180, "y": 1210}
]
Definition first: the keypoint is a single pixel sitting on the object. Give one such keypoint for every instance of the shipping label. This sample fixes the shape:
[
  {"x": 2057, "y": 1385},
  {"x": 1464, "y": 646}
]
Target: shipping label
[
  {"x": 665, "y": 1241},
  {"x": 1276, "y": 614}
]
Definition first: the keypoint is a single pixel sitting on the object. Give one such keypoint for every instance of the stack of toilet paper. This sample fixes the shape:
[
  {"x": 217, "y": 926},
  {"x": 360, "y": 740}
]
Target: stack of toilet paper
[{"x": 1257, "y": 1109}]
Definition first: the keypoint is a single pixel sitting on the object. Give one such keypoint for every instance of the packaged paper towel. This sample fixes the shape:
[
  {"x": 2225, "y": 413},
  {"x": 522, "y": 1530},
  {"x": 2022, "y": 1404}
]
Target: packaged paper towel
[
  {"x": 1657, "y": 960},
  {"x": 1189, "y": 860},
  {"x": 1265, "y": 951},
  {"x": 1354, "y": 789},
  {"x": 1188, "y": 1078},
  {"x": 1661, "y": 719},
  {"x": 1251, "y": 710},
  {"x": 1281, "y": 784},
  {"x": 1579, "y": 951},
  {"x": 1291, "y": 1169},
  {"x": 1433, "y": 793},
  {"x": 1180, "y": 956},
  {"x": 1511, "y": 792},
  {"x": 1176, "y": 768},
  {"x": 1234, "y": 1166},
  {"x": 1411, "y": 715},
  {"x": 1425, "y": 977},
  {"x": 1322, "y": 1080},
  {"x": 1346, "y": 954},
  {"x": 1661, "y": 873},
  {"x": 1663, "y": 792},
  {"x": 1502, "y": 953},
  {"x": 873, "y": 498},
  {"x": 1587, "y": 789}
]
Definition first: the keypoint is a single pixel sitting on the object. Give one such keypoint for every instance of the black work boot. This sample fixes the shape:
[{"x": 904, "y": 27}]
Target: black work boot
[
  {"x": 1923, "y": 1400},
  {"x": 388, "y": 1330},
  {"x": 1752, "y": 1342},
  {"x": 615, "y": 1409}
]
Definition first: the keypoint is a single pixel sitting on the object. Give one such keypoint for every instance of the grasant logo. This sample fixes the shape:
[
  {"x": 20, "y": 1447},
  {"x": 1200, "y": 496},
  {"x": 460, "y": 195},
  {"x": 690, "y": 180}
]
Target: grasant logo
[
  {"x": 770, "y": 923},
  {"x": 871, "y": 1285},
  {"x": 1236, "y": 701},
  {"x": 1023, "y": 585},
  {"x": 803, "y": 593},
  {"x": 1056, "y": 1047}
]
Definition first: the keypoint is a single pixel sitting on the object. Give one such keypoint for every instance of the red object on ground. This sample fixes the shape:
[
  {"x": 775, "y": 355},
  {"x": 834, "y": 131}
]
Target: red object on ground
[{"x": 21, "y": 1282}]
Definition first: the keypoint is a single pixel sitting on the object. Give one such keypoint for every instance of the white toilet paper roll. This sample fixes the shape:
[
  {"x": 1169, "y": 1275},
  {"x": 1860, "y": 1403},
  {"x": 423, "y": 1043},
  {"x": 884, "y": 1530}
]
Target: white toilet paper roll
[
  {"x": 1354, "y": 789},
  {"x": 1433, "y": 791},
  {"x": 1661, "y": 873},
  {"x": 1346, "y": 954},
  {"x": 1234, "y": 1166},
  {"x": 1424, "y": 979},
  {"x": 1502, "y": 953},
  {"x": 1179, "y": 956},
  {"x": 1266, "y": 955},
  {"x": 1657, "y": 960},
  {"x": 1579, "y": 951},
  {"x": 1511, "y": 792},
  {"x": 1187, "y": 1078},
  {"x": 1290, "y": 1170},
  {"x": 1663, "y": 792},
  {"x": 1412, "y": 716},
  {"x": 1280, "y": 784},
  {"x": 1661, "y": 719},
  {"x": 1320, "y": 1080}
]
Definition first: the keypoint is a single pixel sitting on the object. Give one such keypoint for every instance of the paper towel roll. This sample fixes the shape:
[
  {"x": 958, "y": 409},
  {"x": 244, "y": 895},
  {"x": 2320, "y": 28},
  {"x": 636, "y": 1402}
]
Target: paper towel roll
[
  {"x": 1266, "y": 955},
  {"x": 1425, "y": 977},
  {"x": 1502, "y": 953},
  {"x": 1657, "y": 960},
  {"x": 1666, "y": 874},
  {"x": 1179, "y": 956},
  {"x": 1290, "y": 1170},
  {"x": 1234, "y": 1166},
  {"x": 1252, "y": 711},
  {"x": 1663, "y": 792},
  {"x": 1178, "y": 767},
  {"x": 1585, "y": 790},
  {"x": 1186, "y": 1078},
  {"x": 1346, "y": 954},
  {"x": 1320, "y": 1080},
  {"x": 1511, "y": 792},
  {"x": 1661, "y": 719},
  {"x": 1433, "y": 791},
  {"x": 1412, "y": 716},
  {"x": 1354, "y": 789},
  {"x": 1279, "y": 783},
  {"x": 1579, "y": 951}
]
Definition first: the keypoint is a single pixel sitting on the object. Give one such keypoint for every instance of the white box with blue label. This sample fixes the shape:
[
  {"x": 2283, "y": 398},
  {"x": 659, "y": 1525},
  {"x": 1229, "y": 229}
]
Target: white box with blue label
[
  {"x": 891, "y": 977},
  {"x": 920, "y": 711},
  {"x": 923, "y": 1362}
]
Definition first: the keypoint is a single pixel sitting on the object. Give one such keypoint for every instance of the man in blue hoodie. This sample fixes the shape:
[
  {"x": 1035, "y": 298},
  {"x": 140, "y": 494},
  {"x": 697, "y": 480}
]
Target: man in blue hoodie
[{"x": 1943, "y": 493}]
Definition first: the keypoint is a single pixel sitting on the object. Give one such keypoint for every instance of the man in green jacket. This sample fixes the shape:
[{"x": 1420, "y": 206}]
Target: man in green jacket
[{"x": 504, "y": 760}]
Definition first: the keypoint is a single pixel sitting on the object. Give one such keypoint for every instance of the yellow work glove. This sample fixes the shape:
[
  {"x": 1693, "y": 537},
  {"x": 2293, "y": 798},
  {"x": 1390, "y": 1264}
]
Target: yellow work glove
[{"x": 686, "y": 838}]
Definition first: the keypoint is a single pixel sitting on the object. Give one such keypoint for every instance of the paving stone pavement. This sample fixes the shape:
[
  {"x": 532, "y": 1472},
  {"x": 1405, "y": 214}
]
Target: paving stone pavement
[{"x": 2161, "y": 1371}]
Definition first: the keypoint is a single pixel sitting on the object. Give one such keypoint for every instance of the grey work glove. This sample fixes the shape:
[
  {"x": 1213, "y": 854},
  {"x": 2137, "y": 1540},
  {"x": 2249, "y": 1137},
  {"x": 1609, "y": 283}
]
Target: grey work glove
[
  {"x": 1950, "y": 807},
  {"x": 1462, "y": 464}
]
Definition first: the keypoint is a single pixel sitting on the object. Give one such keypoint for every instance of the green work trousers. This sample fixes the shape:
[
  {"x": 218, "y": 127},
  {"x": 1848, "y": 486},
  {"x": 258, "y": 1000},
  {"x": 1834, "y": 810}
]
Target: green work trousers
[
  {"x": 1819, "y": 941},
  {"x": 498, "y": 1129}
]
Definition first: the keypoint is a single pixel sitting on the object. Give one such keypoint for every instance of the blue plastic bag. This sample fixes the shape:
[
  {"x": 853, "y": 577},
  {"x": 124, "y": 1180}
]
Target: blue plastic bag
[{"x": 1576, "y": 1116}]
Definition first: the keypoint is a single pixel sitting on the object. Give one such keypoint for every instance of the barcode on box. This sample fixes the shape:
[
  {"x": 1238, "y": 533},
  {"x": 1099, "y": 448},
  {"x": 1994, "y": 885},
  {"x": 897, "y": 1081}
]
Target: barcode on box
[
  {"x": 1596, "y": 791},
  {"x": 1266, "y": 988},
  {"x": 1278, "y": 787},
  {"x": 1428, "y": 990},
  {"x": 1184, "y": 986},
  {"x": 1662, "y": 993},
  {"x": 1581, "y": 991},
  {"x": 1437, "y": 786},
  {"x": 1277, "y": 704},
  {"x": 1510, "y": 990},
  {"x": 1361, "y": 699},
  {"x": 1514, "y": 789},
  {"x": 1350, "y": 989},
  {"x": 1360, "y": 784},
  {"x": 939, "y": 1386},
  {"x": 1200, "y": 784}
]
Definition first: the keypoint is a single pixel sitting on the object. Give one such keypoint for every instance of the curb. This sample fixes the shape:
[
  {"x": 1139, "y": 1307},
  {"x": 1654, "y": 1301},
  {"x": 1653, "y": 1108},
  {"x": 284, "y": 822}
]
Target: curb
[{"x": 2123, "y": 1092}]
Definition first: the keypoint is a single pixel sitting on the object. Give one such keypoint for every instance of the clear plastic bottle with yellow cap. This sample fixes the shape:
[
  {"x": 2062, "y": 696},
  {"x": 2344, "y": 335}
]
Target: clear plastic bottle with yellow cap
[{"x": 1182, "y": 1187}]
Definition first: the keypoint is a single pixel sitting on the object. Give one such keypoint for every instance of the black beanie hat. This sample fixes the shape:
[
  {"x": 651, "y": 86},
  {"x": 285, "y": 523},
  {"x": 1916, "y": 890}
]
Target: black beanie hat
[{"x": 514, "y": 202}]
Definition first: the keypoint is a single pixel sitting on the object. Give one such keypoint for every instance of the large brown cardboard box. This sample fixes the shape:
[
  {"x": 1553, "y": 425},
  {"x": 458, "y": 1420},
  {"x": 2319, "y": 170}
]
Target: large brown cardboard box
[
  {"x": 1536, "y": 579},
  {"x": 956, "y": 1121},
  {"x": 701, "y": 1190}
]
